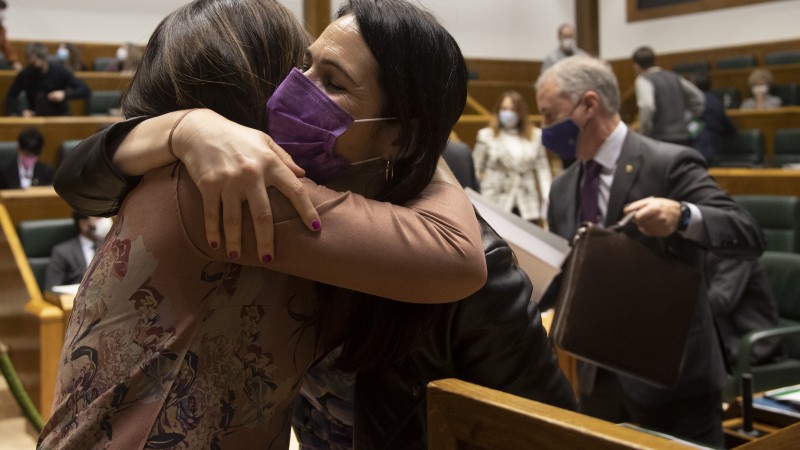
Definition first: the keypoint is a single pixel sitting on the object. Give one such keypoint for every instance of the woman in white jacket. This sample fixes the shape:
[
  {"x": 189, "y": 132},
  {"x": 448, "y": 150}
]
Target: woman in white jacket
[{"x": 511, "y": 162}]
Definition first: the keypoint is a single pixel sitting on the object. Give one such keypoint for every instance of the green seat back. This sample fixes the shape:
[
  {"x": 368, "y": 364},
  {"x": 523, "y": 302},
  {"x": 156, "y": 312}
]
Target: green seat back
[
  {"x": 101, "y": 102},
  {"x": 736, "y": 62},
  {"x": 691, "y": 67},
  {"x": 787, "y": 146},
  {"x": 100, "y": 63},
  {"x": 38, "y": 237},
  {"x": 778, "y": 216},
  {"x": 787, "y": 92},
  {"x": 729, "y": 97},
  {"x": 784, "y": 57},
  {"x": 66, "y": 147},
  {"x": 8, "y": 152},
  {"x": 783, "y": 272},
  {"x": 745, "y": 148}
]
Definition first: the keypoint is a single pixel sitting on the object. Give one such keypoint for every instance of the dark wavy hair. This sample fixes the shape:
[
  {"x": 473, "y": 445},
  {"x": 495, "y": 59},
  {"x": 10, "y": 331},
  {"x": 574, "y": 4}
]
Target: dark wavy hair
[
  {"x": 424, "y": 77},
  {"x": 225, "y": 55}
]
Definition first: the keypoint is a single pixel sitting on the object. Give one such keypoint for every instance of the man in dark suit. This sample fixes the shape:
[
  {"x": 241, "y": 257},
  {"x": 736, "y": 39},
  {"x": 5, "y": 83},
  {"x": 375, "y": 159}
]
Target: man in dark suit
[
  {"x": 69, "y": 259},
  {"x": 26, "y": 170},
  {"x": 678, "y": 208}
]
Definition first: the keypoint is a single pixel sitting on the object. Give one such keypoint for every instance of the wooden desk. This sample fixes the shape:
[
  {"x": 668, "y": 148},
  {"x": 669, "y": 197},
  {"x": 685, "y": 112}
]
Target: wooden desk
[
  {"x": 741, "y": 181},
  {"x": 55, "y": 131},
  {"x": 34, "y": 203},
  {"x": 769, "y": 122},
  {"x": 487, "y": 92}
]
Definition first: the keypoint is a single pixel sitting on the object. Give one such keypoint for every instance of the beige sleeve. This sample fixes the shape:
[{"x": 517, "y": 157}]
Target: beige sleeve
[{"x": 427, "y": 251}]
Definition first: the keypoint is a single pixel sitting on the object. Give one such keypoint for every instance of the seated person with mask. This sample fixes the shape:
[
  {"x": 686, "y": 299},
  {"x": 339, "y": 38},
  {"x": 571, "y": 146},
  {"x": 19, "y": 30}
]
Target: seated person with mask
[
  {"x": 26, "y": 170},
  {"x": 69, "y": 259}
]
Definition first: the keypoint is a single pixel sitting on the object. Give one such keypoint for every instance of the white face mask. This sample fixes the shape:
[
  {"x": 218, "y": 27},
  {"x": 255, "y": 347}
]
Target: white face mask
[
  {"x": 508, "y": 119},
  {"x": 62, "y": 53},
  {"x": 101, "y": 228},
  {"x": 760, "y": 89},
  {"x": 568, "y": 44},
  {"x": 122, "y": 53}
]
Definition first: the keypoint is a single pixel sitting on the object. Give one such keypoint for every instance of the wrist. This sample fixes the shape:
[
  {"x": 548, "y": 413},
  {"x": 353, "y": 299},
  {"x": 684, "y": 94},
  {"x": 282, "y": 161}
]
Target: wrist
[
  {"x": 176, "y": 136},
  {"x": 685, "y": 217}
]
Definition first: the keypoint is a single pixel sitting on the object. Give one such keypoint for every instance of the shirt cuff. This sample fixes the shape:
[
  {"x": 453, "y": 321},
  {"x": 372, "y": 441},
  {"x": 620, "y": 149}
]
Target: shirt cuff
[{"x": 695, "y": 230}]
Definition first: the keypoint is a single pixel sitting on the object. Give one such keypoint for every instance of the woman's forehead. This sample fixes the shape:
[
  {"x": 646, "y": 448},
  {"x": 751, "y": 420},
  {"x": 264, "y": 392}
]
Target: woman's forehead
[{"x": 342, "y": 42}]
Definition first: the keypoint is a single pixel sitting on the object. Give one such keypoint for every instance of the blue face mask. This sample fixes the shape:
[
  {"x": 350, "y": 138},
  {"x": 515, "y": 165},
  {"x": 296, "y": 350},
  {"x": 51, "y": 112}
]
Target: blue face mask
[{"x": 562, "y": 137}]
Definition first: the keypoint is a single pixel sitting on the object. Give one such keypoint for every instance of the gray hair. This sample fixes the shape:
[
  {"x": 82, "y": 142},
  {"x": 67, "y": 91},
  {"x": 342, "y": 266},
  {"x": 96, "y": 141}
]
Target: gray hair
[{"x": 578, "y": 74}]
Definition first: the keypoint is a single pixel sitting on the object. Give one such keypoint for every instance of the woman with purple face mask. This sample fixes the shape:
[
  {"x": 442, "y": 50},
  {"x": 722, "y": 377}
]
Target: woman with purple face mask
[
  {"x": 511, "y": 162},
  {"x": 175, "y": 340}
]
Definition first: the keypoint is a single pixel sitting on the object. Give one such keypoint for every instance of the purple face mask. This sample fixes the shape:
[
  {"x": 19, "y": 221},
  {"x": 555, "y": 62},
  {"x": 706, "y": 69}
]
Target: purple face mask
[{"x": 305, "y": 122}]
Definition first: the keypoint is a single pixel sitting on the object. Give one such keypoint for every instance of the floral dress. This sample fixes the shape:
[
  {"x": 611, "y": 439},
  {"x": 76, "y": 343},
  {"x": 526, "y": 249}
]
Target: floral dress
[{"x": 168, "y": 348}]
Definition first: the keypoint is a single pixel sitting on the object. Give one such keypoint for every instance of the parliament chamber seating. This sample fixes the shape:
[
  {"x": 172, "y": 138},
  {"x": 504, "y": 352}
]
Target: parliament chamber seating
[
  {"x": 729, "y": 97},
  {"x": 745, "y": 148},
  {"x": 691, "y": 67},
  {"x": 782, "y": 57},
  {"x": 100, "y": 63},
  {"x": 787, "y": 92},
  {"x": 783, "y": 272},
  {"x": 779, "y": 218},
  {"x": 38, "y": 237},
  {"x": 66, "y": 147},
  {"x": 736, "y": 62},
  {"x": 103, "y": 103},
  {"x": 787, "y": 147}
]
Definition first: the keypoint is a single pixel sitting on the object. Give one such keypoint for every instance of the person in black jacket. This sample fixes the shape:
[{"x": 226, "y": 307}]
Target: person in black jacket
[
  {"x": 493, "y": 338},
  {"x": 47, "y": 87},
  {"x": 26, "y": 170}
]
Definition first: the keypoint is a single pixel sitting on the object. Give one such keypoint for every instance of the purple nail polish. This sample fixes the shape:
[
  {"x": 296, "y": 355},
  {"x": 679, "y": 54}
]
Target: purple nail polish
[
  {"x": 214, "y": 244},
  {"x": 266, "y": 259},
  {"x": 315, "y": 224},
  {"x": 233, "y": 255}
]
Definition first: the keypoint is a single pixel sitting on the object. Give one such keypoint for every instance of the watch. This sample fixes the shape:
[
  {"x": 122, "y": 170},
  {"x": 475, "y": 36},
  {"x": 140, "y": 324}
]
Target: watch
[{"x": 686, "y": 217}]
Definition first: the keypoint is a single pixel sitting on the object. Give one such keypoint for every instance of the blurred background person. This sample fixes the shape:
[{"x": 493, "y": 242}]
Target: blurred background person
[
  {"x": 47, "y": 87},
  {"x": 667, "y": 102},
  {"x": 510, "y": 160},
  {"x": 127, "y": 59},
  {"x": 712, "y": 122},
  {"x": 8, "y": 53},
  {"x": 69, "y": 259},
  {"x": 759, "y": 81},
  {"x": 70, "y": 57},
  {"x": 567, "y": 46},
  {"x": 26, "y": 170}
]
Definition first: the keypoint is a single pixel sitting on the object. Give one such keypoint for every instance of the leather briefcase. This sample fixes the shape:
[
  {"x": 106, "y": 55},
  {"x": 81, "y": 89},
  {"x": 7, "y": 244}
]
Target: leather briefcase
[{"x": 624, "y": 307}]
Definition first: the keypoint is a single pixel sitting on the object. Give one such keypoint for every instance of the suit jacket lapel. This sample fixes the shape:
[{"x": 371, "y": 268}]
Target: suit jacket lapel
[{"x": 628, "y": 165}]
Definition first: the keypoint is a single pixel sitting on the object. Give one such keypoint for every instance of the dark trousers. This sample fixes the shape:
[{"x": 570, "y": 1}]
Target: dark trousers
[{"x": 697, "y": 419}]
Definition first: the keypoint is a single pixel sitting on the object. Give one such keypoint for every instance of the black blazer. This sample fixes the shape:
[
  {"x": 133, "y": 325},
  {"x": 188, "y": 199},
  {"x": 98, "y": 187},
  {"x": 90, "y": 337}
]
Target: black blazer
[
  {"x": 651, "y": 168},
  {"x": 493, "y": 338},
  {"x": 67, "y": 264},
  {"x": 42, "y": 175}
]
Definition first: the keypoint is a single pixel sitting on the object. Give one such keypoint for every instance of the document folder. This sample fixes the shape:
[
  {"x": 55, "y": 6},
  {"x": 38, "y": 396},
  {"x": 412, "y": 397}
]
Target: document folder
[{"x": 539, "y": 253}]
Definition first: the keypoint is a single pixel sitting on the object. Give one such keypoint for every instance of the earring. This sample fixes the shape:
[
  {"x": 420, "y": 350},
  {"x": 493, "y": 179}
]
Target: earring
[{"x": 389, "y": 171}]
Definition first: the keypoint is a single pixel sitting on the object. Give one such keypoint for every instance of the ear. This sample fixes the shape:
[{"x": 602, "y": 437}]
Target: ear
[
  {"x": 592, "y": 102},
  {"x": 389, "y": 139}
]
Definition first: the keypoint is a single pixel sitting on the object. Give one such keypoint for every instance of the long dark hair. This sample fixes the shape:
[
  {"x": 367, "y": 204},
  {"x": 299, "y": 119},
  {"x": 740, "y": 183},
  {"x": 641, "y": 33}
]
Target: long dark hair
[
  {"x": 225, "y": 55},
  {"x": 423, "y": 74}
]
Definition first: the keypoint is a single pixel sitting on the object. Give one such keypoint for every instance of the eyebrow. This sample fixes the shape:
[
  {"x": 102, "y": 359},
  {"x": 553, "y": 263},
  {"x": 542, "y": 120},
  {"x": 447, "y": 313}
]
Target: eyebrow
[{"x": 327, "y": 61}]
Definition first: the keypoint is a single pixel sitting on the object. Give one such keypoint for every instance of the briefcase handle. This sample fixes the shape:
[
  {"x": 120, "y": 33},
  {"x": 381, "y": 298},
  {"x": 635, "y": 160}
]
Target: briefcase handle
[{"x": 616, "y": 227}]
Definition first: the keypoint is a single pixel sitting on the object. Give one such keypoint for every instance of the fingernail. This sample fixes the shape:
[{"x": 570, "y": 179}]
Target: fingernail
[
  {"x": 233, "y": 255},
  {"x": 315, "y": 224},
  {"x": 214, "y": 244},
  {"x": 266, "y": 259}
]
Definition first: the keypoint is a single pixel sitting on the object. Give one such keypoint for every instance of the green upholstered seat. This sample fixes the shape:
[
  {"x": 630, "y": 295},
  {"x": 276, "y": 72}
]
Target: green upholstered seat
[
  {"x": 779, "y": 217},
  {"x": 745, "y": 148},
  {"x": 38, "y": 237},
  {"x": 736, "y": 62}
]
